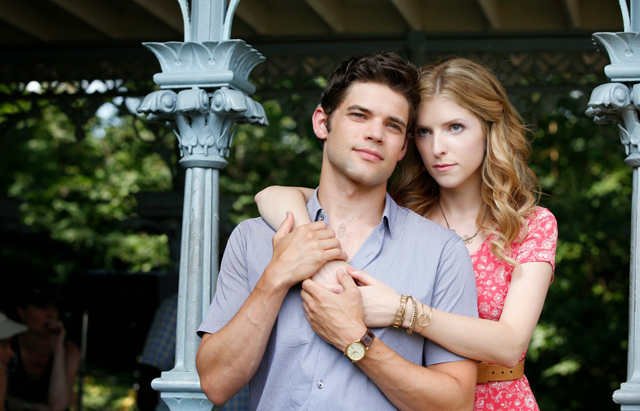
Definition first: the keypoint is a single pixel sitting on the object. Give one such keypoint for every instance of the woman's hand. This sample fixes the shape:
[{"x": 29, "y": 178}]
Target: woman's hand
[
  {"x": 380, "y": 301},
  {"x": 55, "y": 334},
  {"x": 327, "y": 275}
]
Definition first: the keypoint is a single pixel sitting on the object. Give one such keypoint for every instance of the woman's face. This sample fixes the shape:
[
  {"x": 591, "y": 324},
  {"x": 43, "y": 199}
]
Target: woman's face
[
  {"x": 5, "y": 352},
  {"x": 451, "y": 142},
  {"x": 39, "y": 319}
]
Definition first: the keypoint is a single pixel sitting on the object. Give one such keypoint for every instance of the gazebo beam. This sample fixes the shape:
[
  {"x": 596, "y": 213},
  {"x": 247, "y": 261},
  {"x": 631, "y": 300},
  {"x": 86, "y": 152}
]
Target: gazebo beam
[
  {"x": 491, "y": 11},
  {"x": 255, "y": 14},
  {"x": 331, "y": 11},
  {"x": 36, "y": 22},
  {"x": 573, "y": 12},
  {"x": 165, "y": 10},
  {"x": 100, "y": 16},
  {"x": 411, "y": 11}
]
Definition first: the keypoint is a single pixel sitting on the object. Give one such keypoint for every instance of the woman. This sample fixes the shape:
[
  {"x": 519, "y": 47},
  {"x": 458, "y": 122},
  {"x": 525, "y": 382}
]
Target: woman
[
  {"x": 8, "y": 329},
  {"x": 466, "y": 170},
  {"x": 43, "y": 370}
]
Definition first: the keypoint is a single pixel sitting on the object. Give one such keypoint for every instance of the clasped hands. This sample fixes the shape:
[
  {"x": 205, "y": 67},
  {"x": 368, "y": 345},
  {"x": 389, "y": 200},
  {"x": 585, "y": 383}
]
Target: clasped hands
[{"x": 339, "y": 301}]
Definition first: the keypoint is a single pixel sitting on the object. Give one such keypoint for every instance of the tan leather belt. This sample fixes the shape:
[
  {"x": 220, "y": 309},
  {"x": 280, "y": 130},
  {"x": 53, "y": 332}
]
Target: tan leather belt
[{"x": 488, "y": 372}]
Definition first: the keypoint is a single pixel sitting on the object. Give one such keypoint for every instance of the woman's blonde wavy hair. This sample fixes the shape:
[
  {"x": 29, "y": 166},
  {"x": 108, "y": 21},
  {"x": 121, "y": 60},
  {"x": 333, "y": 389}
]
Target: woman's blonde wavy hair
[{"x": 510, "y": 189}]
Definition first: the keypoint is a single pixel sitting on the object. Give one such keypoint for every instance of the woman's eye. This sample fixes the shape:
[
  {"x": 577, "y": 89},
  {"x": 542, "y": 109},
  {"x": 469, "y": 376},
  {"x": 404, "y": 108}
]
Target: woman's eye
[
  {"x": 456, "y": 127},
  {"x": 421, "y": 132}
]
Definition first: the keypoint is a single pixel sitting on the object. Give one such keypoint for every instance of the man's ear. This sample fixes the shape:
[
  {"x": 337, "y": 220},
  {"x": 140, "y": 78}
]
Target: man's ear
[{"x": 319, "y": 121}]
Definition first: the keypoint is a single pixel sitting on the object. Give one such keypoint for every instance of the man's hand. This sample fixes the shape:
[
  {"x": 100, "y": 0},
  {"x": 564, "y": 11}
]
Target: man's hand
[
  {"x": 299, "y": 253},
  {"x": 337, "y": 318}
]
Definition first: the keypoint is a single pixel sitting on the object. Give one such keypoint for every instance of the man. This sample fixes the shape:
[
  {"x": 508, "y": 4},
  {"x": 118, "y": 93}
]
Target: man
[{"x": 256, "y": 331}]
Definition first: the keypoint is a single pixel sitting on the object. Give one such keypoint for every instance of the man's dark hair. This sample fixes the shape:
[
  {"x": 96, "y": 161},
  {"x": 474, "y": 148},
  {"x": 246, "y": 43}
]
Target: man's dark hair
[{"x": 386, "y": 68}]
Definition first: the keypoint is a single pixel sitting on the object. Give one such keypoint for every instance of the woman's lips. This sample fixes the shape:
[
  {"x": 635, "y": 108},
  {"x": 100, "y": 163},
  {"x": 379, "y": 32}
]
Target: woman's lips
[{"x": 443, "y": 167}]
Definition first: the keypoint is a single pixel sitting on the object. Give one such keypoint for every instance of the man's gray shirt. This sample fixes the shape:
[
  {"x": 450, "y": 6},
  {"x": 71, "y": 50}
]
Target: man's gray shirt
[{"x": 300, "y": 371}]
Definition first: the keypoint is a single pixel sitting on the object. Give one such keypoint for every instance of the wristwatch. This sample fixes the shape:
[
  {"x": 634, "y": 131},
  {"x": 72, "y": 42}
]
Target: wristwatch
[{"x": 358, "y": 349}]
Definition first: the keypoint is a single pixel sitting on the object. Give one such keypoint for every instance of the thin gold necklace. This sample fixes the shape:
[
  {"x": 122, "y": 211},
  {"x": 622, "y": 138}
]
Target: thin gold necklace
[{"x": 466, "y": 238}]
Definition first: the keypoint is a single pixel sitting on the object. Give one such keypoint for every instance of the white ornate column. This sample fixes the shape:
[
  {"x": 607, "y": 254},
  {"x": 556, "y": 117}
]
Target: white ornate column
[
  {"x": 204, "y": 92},
  {"x": 618, "y": 103}
]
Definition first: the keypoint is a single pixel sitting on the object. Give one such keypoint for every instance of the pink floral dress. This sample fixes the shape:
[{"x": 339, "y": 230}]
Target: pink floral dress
[{"x": 493, "y": 277}]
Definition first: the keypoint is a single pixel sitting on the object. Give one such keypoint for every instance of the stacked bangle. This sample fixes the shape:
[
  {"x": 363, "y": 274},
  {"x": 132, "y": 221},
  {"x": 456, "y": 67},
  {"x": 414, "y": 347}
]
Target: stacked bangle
[
  {"x": 399, "y": 318},
  {"x": 414, "y": 318},
  {"x": 423, "y": 318}
]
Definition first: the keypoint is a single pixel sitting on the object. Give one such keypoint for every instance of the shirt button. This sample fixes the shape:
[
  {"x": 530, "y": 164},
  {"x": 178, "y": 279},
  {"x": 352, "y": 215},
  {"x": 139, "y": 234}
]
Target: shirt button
[
  {"x": 320, "y": 385},
  {"x": 321, "y": 217}
]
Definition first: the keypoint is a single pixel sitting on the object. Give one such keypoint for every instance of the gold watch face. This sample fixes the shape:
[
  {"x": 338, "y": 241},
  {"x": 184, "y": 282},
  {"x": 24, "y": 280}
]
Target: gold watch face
[{"x": 356, "y": 351}]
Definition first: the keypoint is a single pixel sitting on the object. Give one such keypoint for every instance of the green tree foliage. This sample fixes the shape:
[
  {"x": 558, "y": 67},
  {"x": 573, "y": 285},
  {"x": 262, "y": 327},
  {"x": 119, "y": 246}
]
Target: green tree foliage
[{"x": 76, "y": 188}]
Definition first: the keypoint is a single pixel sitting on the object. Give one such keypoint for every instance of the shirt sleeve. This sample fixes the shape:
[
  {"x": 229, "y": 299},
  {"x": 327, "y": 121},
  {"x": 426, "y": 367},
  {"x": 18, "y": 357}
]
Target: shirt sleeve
[
  {"x": 232, "y": 286},
  {"x": 542, "y": 238},
  {"x": 454, "y": 292}
]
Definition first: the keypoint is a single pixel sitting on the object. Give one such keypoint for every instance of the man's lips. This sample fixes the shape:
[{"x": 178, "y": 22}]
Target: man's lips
[{"x": 371, "y": 155}]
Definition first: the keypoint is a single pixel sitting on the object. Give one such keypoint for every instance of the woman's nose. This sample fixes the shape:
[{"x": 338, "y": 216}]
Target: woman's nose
[{"x": 438, "y": 145}]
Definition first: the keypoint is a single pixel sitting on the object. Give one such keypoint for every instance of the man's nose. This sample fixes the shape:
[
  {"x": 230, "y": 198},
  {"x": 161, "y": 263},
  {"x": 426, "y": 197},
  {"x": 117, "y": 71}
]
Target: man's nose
[{"x": 375, "y": 131}]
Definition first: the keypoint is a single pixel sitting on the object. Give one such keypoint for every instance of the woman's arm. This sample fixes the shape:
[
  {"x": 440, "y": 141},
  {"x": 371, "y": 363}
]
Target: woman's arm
[
  {"x": 66, "y": 361},
  {"x": 274, "y": 201},
  {"x": 500, "y": 342},
  {"x": 338, "y": 319}
]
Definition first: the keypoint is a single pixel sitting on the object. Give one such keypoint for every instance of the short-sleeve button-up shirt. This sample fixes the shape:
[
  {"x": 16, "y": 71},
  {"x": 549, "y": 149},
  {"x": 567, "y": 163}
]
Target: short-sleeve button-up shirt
[{"x": 299, "y": 370}]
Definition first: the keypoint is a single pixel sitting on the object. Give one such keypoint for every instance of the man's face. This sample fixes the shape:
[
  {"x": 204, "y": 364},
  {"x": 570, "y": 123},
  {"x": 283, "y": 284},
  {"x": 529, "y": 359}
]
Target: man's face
[{"x": 367, "y": 136}]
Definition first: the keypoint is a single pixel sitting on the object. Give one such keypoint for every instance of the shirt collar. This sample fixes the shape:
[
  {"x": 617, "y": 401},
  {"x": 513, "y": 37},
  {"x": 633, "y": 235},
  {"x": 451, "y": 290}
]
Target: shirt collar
[{"x": 388, "y": 215}]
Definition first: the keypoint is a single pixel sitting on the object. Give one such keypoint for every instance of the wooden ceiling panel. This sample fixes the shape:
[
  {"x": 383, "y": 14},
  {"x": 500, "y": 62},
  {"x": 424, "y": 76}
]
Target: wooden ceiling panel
[
  {"x": 600, "y": 16},
  {"x": 45, "y": 22},
  {"x": 125, "y": 22},
  {"x": 539, "y": 15},
  {"x": 384, "y": 18},
  {"x": 298, "y": 19},
  {"x": 454, "y": 16},
  {"x": 256, "y": 14},
  {"x": 167, "y": 11}
]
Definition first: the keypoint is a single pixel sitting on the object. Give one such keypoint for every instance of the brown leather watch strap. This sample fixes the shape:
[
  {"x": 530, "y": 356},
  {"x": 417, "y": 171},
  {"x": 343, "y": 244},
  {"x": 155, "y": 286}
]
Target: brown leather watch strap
[{"x": 367, "y": 338}]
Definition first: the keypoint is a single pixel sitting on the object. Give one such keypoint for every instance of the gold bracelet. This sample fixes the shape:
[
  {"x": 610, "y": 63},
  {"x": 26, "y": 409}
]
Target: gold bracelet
[
  {"x": 414, "y": 318},
  {"x": 425, "y": 316},
  {"x": 399, "y": 318}
]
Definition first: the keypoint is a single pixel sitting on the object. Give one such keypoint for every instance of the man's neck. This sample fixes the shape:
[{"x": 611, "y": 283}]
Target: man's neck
[{"x": 353, "y": 212}]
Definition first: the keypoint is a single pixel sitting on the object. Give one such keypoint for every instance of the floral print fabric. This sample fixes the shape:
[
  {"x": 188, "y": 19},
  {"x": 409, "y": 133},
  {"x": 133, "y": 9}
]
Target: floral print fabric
[{"x": 493, "y": 277}]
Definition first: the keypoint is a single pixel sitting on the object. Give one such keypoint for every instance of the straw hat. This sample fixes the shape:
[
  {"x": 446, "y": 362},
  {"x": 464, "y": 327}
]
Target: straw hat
[{"x": 9, "y": 328}]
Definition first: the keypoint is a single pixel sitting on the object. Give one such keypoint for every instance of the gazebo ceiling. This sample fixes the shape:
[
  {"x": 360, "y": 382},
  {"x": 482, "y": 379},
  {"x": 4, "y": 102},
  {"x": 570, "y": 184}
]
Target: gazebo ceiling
[
  {"x": 70, "y": 40},
  {"x": 36, "y": 24}
]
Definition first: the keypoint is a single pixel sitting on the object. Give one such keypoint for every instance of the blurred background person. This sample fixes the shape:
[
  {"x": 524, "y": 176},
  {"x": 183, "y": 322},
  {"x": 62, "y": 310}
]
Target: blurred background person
[
  {"x": 45, "y": 364},
  {"x": 158, "y": 354},
  {"x": 8, "y": 328}
]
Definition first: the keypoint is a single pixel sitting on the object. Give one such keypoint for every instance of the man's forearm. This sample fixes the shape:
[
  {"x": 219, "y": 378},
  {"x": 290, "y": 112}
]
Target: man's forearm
[
  {"x": 228, "y": 359},
  {"x": 447, "y": 386}
]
